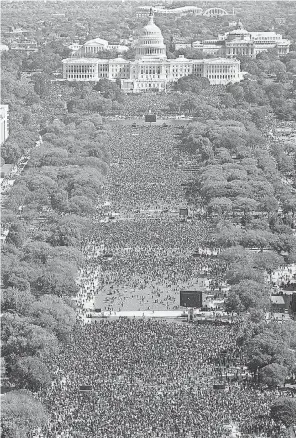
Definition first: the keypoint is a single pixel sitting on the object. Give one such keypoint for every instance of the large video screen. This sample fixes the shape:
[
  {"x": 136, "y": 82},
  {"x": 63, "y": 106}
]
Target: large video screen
[
  {"x": 191, "y": 298},
  {"x": 150, "y": 118}
]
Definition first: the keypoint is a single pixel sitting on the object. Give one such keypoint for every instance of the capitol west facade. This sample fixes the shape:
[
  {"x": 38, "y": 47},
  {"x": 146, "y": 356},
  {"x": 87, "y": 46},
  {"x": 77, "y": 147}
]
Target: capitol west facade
[{"x": 151, "y": 70}]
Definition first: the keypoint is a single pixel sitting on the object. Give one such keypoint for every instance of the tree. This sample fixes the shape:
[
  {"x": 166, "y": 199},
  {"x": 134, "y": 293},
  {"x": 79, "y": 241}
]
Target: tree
[
  {"x": 256, "y": 316},
  {"x": 227, "y": 100},
  {"x": 253, "y": 93},
  {"x": 48, "y": 156},
  {"x": 222, "y": 156},
  {"x": 59, "y": 200},
  {"x": 269, "y": 204},
  {"x": 289, "y": 332},
  {"x": 16, "y": 273},
  {"x": 41, "y": 84},
  {"x": 283, "y": 410},
  {"x": 86, "y": 179},
  {"x": 58, "y": 278},
  {"x": 8, "y": 217},
  {"x": 257, "y": 239},
  {"x": 21, "y": 338},
  {"x": 21, "y": 413},
  {"x": 70, "y": 254},
  {"x": 220, "y": 206},
  {"x": 30, "y": 373},
  {"x": 291, "y": 66},
  {"x": 16, "y": 300},
  {"x": 228, "y": 236},
  {"x": 245, "y": 205},
  {"x": 197, "y": 144},
  {"x": 37, "y": 252},
  {"x": 285, "y": 110},
  {"x": 82, "y": 205},
  {"x": 234, "y": 254},
  {"x": 130, "y": 53},
  {"x": 94, "y": 103},
  {"x": 16, "y": 235},
  {"x": 244, "y": 270},
  {"x": 108, "y": 89},
  {"x": 68, "y": 231},
  {"x": 54, "y": 314},
  {"x": 19, "y": 196},
  {"x": 285, "y": 242},
  {"x": 267, "y": 348},
  {"x": 247, "y": 294},
  {"x": 237, "y": 92},
  {"x": 11, "y": 152},
  {"x": 269, "y": 261},
  {"x": 36, "y": 180},
  {"x": 192, "y": 83},
  {"x": 273, "y": 375}
]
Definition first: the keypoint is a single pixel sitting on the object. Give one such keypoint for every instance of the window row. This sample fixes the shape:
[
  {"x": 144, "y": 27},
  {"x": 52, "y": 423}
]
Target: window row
[
  {"x": 221, "y": 76},
  {"x": 77, "y": 76}
]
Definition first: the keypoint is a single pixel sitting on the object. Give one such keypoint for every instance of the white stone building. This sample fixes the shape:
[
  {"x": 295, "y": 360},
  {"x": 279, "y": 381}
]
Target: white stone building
[
  {"x": 151, "y": 70},
  {"x": 240, "y": 42},
  {"x": 95, "y": 46},
  {"x": 161, "y": 10},
  {"x": 4, "y": 48},
  {"x": 4, "y": 130}
]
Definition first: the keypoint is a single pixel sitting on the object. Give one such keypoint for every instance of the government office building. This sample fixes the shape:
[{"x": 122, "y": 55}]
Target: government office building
[
  {"x": 240, "y": 42},
  {"x": 151, "y": 70}
]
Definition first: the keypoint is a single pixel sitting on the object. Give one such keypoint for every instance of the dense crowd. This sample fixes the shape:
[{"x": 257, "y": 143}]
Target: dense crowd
[
  {"x": 152, "y": 379},
  {"x": 140, "y": 104},
  {"x": 163, "y": 104},
  {"x": 141, "y": 255}
]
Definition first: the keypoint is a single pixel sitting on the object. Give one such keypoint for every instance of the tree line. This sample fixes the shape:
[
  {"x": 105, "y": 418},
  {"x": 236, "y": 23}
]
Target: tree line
[{"x": 48, "y": 212}]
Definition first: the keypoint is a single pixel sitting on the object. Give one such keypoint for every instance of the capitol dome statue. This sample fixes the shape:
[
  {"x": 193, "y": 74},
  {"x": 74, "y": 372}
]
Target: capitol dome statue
[{"x": 150, "y": 43}]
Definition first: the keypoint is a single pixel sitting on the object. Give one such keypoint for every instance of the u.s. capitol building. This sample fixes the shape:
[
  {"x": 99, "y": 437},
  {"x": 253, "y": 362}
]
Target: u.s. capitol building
[{"x": 151, "y": 70}]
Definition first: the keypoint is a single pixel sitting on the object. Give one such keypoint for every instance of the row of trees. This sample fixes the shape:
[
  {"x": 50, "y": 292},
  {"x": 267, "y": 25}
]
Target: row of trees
[
  {"x": 44, "y": 252},
  {"x": 48, "y": 213},
  {"x": 271, "y": 82}
]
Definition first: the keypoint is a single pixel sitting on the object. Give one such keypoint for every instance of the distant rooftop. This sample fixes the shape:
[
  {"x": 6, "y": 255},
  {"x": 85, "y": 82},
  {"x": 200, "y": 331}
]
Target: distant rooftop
[{"x": 277, "y": 299}]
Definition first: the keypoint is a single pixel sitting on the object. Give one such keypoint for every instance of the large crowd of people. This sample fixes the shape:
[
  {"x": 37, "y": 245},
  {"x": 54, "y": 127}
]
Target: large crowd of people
[
  {"x": 140, "y": 378},
  {"x": 143, "y": 377},
  {"x": 141, "y": 252},
  {"x": 136, "y": 105}
]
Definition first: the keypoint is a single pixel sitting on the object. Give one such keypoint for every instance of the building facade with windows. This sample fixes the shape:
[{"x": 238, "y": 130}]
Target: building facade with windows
[
  {"x": 240, "y": 42},
  {"x": 151, "y": 70},
  {"x": 95, "y": 46},
  {"x": 161, "y": 10},
  {"x": 4, "y": 129}
]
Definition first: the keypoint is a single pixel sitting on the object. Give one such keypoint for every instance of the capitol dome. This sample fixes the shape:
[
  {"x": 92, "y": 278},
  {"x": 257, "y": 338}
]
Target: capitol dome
[
  {"x": 151, "y": 28},
  {"x": 239, "y": 32},
  {"x": 150, "y": 43}
]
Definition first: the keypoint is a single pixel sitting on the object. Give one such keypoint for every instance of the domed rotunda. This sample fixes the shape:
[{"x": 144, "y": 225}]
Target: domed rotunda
[
  {"x": 239, "y": 33},
  {"x": 150, "y": 43}
]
